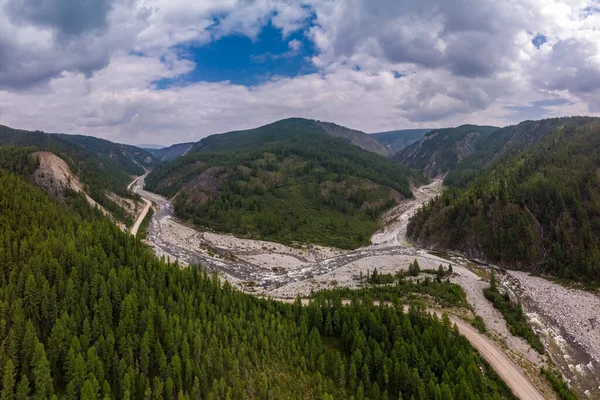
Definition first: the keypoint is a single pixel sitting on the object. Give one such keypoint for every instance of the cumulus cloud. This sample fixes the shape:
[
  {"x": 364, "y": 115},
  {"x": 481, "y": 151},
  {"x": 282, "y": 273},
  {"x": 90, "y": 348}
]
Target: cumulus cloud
[
  {"x": 91, "y": 67},
  {"x": 67, "y": 17}
]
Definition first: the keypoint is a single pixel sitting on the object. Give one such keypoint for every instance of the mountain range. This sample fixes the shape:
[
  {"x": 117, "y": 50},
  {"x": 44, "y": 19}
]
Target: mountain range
[{"x": 306, "y": 181}]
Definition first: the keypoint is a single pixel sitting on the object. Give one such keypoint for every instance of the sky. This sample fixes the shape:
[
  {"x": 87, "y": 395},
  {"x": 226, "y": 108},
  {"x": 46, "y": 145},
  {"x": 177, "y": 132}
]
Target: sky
[{"x": 168, "y": 71}]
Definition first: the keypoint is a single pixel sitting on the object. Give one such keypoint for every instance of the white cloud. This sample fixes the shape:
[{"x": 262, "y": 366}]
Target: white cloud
[{"x": 462, "y": 61}]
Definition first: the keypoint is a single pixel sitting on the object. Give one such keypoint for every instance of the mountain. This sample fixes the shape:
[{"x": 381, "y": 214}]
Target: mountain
[
  {"x": 102, "y": 174},
  {"x": 170, "y": 153},
  {"x": 290, "y": 181},
  {"x": 535, "y": 207},
  {"x": 440, "y": 150},
  {"x": 97, "y": 169},
  {"x": 399, "y": 139},
  {"x": 132, "y": 159},
  {"x": 357, "y": 138},
  {"x": 253, "y": 137}
]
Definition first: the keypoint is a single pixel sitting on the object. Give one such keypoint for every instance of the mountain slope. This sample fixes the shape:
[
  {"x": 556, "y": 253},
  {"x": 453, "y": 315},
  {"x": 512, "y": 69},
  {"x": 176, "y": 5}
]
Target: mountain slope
[
  {"x": 399, "y": 139},
  {"x": 440, "y": 150},
  {"x": 271, "y": 132},
  {"x": 88, "y": 312},
  {"x": 357, "y": 138},
  {"x": 535, "y": 209},
  {"x": 288, "y": 181},
  {"x": 103, "y": 178},
  {"x": 132, "y": 159},
  {"x": 97, "y": 171},
  {"x": 170, "y": 153}
]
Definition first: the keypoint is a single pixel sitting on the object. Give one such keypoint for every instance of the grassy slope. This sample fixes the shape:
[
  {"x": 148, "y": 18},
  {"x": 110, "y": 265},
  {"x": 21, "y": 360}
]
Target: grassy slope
[
  {"x": 286, "y": 182},
  {"x": 538, "y": 209}
]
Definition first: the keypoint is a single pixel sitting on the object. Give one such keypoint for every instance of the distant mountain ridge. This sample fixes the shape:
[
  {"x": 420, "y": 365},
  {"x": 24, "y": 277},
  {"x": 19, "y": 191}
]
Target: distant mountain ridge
[
  {"x": 356, "y": 137},
  {"x": 133, "y": 159},
  {"x": 440, "y": 150},
  {"x": 170, "y": 153},
  {"x": 243, "y": 139},
  {"x": 399, "y": 139}
]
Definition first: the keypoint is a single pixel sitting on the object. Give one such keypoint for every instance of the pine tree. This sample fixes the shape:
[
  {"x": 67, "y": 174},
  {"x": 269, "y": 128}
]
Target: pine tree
[
  {"x": 88, "y": 391},
  {"x": 23, "y": 388},
  {"x": 8, "y": 381},
  {"x": 41, "y": 373}
]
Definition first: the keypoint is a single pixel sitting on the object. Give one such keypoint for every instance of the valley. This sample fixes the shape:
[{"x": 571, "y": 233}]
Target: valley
[{"x": 274, "y": 270}]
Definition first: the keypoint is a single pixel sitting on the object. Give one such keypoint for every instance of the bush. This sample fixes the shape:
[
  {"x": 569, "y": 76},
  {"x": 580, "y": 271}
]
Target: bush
[
  {"x": 514, "y": 316},
  {"x": 559, "y": 385},
  {"x": 479, "y": 324}
]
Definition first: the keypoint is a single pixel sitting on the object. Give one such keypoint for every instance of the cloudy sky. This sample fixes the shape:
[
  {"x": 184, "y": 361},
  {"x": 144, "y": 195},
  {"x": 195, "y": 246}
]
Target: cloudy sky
[{"x": 165, "y": 71}]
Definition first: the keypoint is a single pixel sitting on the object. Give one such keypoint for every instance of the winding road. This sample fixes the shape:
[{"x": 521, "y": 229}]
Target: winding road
[
  {"x": 390, "y": 241},
  {"x": 142, "y": 215}
]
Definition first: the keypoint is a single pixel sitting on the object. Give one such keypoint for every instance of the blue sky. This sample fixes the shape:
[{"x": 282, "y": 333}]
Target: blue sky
[{"x": 246, "y": 61}]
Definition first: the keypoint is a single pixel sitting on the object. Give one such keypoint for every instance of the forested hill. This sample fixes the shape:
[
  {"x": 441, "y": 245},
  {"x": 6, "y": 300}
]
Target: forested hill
[
  {"x": 286, "y": 129},
  {"x": 288, "y": 181},
  {"x": 537, "y": 209},
  {"x": 440, "y": 150},
  {"x": 94, "y": 167},
  {"x": 131, "y": 159},
  {"x": 88, "y": 312}
]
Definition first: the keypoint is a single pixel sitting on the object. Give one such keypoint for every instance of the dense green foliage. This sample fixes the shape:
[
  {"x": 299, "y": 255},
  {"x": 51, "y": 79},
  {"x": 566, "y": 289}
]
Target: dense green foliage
[
  {"x": 501, "y": 144},
  {"x": 479, "y": 323},
  {"x": 513, "y": 314},
  {"x": 286, "y": 182},
  {"x": 442, "y": 149},
  {"x": 87, "y": 311},
  {"x": 130, "y": 158},
  {"x": 539, "y": 208},
  {"x": 380, "y": 279},
  {"x": 385, "y": 287},
  {"x": 17, "y": 160},
  {"x": 98, "y": 172},
  {"x": 559, "y": 385}
]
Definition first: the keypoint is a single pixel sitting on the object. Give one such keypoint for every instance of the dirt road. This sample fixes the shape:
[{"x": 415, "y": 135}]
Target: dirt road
[
  {"x": 504, "y": 367},
  {"x": 140, "y": 218}
]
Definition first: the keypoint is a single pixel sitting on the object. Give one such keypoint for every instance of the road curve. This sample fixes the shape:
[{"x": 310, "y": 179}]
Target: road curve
[
  {"x": 504, "y": 367},
  {"x": 140, "y": 218}
]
